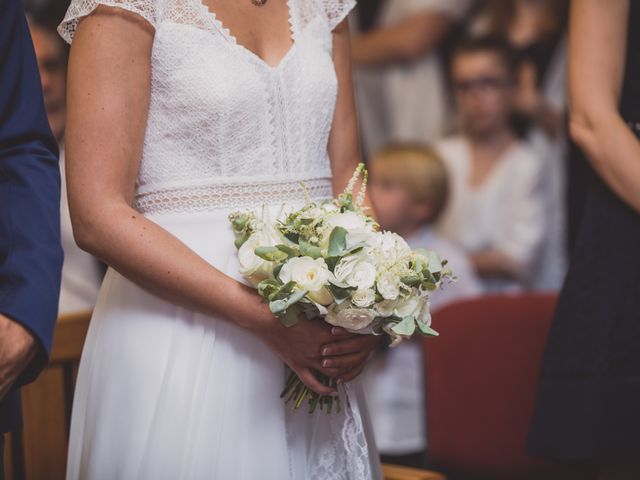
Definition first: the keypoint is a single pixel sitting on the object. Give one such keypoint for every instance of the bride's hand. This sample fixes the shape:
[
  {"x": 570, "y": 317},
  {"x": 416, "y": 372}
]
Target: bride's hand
[
  {"x": 301, "y": 345},
  {"x": 347, "y": 353}
]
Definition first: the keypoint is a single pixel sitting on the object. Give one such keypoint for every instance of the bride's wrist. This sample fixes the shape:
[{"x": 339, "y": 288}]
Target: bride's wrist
[{"x": 253, "y": 315}]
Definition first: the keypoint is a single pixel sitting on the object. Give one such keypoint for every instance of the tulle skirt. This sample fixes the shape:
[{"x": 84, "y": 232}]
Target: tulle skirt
[{"x": 164, "y": 392}]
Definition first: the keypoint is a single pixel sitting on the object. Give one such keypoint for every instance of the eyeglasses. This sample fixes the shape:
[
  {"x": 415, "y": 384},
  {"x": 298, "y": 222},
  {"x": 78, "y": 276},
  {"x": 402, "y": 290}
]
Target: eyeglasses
[{"x": 480, "y": 85}]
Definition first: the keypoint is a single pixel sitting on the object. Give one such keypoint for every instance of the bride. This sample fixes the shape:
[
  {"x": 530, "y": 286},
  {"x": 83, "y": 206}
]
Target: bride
[{"x": 179, "y": 112}]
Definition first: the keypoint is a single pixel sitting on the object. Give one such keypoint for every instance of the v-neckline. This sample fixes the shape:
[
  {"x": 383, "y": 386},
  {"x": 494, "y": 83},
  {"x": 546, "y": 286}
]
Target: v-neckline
[{"x": 226, "y": 32}]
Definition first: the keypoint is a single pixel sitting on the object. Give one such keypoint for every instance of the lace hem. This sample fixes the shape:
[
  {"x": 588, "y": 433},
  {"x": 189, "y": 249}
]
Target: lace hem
[{"x": 228, "y": 196}]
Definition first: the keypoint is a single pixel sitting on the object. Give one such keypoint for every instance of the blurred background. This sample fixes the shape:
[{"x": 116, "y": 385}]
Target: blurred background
[{"x": 462, "y": 111}]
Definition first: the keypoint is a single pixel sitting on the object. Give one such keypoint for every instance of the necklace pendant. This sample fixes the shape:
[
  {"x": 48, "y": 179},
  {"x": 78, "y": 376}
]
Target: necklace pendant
[{"x": 258, "y": 3}]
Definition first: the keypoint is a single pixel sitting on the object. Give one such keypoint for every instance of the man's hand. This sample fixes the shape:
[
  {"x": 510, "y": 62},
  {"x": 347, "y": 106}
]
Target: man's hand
[{"x": 17, "y": 348}]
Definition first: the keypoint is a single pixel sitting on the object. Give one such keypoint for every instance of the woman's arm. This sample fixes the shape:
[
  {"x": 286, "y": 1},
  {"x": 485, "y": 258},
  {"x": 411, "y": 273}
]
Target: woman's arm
[
  {"x": 597, "y": 51},
  {"x": 406, "y": 41},
  {"x": 108, "y": 101}
]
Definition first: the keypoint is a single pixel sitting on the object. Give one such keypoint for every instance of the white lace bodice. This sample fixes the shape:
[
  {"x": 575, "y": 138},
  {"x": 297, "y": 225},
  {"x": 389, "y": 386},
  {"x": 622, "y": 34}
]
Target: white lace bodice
[{"x": 225, "y": 129}]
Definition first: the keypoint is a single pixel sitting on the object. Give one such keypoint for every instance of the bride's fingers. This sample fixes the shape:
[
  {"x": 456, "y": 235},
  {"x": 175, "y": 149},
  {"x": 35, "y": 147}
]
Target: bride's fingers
[
  {"x": 344, "y": 361},
  {"x": 350, "y": 345},
  {"x": 313, "y": 383}
]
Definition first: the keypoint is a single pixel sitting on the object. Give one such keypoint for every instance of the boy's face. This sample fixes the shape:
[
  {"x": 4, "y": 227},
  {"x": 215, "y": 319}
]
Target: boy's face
[
  {"x": 483, "y": 91},
  {"x": 395, "y": 208}
]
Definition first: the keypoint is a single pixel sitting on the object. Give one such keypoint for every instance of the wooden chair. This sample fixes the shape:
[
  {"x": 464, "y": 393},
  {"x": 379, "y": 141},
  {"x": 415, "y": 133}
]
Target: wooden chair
[{"x": 397, "y": 472}]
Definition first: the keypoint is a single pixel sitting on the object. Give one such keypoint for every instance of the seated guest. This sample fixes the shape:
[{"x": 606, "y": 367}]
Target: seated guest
[
  {"x": 409, "y": 190},
  {"x": 81, "y": 272},
  {"x": 496, "y": 211}
]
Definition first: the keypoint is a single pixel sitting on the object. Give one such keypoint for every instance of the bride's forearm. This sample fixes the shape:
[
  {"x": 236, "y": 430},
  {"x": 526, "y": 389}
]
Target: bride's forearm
[{"x": 159, "y": 262}]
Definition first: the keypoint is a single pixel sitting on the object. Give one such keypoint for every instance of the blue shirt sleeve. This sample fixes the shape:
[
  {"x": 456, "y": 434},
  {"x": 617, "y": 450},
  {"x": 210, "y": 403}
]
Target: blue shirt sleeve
[{"x": 30, "y": 250}]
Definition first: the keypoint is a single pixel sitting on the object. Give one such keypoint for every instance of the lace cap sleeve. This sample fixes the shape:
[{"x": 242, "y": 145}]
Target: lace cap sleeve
[
  {"x": 336, "y": 10},
  {"x": 78, "y": 9}
]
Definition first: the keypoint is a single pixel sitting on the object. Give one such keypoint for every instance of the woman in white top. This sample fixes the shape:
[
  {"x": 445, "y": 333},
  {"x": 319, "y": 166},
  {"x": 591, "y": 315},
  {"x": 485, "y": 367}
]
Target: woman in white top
[{"x": 180, "y": 112}]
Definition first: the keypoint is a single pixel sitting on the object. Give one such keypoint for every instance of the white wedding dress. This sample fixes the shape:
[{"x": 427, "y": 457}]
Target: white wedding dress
[{"x": 168, "y": 393}]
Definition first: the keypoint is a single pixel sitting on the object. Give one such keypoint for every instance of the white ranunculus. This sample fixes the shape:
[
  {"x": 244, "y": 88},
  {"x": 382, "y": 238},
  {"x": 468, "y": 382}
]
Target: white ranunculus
[
  {"x": 363, "y": 297},
  {"x": 388, "y": 285},
  {"x": 350, "y": 318},
  {"x": 356, "y": 271},
  {"x": 252, "y": 267},
  {"x": 308, "y": 274},
  {"x": 385, "y": 308}
]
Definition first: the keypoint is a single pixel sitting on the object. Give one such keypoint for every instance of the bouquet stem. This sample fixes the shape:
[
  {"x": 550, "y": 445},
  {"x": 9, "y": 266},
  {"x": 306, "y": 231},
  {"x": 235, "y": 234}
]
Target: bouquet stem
[{"x": 296, "y": 392}]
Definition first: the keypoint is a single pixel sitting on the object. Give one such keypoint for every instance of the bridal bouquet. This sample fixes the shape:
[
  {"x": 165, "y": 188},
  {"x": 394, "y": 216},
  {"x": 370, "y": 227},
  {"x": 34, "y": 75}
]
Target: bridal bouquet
[{"x": 329, "y": 261}]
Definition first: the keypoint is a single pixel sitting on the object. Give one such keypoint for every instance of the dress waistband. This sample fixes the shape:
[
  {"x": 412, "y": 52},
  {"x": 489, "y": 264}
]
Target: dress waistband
[{"x": 235, "y": 195}]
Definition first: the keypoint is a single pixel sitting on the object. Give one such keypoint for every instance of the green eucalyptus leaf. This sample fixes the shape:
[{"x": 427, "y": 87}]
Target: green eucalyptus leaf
[
  {"x": 428, "y": 331},
  {"x": 239, "y": 241},
  {"x": 290, "y": 250},
  {"x": 269, "y": 288},
  {"x": 429, "y": 286},
  {"x": 290, "y": 317},
  {"x": 339, "y": 294},
  {"x": 337, "y": 242},
  {"x": 271, "y": 254},
  {"x": 309, "y": 250},
  {"x": 292, "y": 236},
  {"x": 412, "y": 280},
  {"x": 278, "y": 307},
  {"x": 287, "y": 288},
  {"x": 405, "y": 327}
]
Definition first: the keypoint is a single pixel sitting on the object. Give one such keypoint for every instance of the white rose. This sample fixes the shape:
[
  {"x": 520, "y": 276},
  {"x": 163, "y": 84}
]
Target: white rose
[
  {"x": 352, "y": 319},
  {"x": 363, "y": 297},
  {"x": 388, "y": 285},
  {"x": 252, "y": 267},
  {"x": 356, "y": 272},
  {"x": 308, "y": 274}
]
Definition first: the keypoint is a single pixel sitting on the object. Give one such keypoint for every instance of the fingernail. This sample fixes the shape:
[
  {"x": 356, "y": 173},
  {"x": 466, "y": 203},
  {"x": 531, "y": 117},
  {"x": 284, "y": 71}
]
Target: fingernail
[
  {"x": 335, "y": 331},
  {"x": 326, "y": 363},
  {"x": 325, "y": 351}
]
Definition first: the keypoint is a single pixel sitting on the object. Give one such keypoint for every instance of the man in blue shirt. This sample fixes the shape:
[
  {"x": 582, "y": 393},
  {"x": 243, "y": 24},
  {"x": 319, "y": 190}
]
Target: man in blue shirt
[{"x": 30, "y": 251}]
